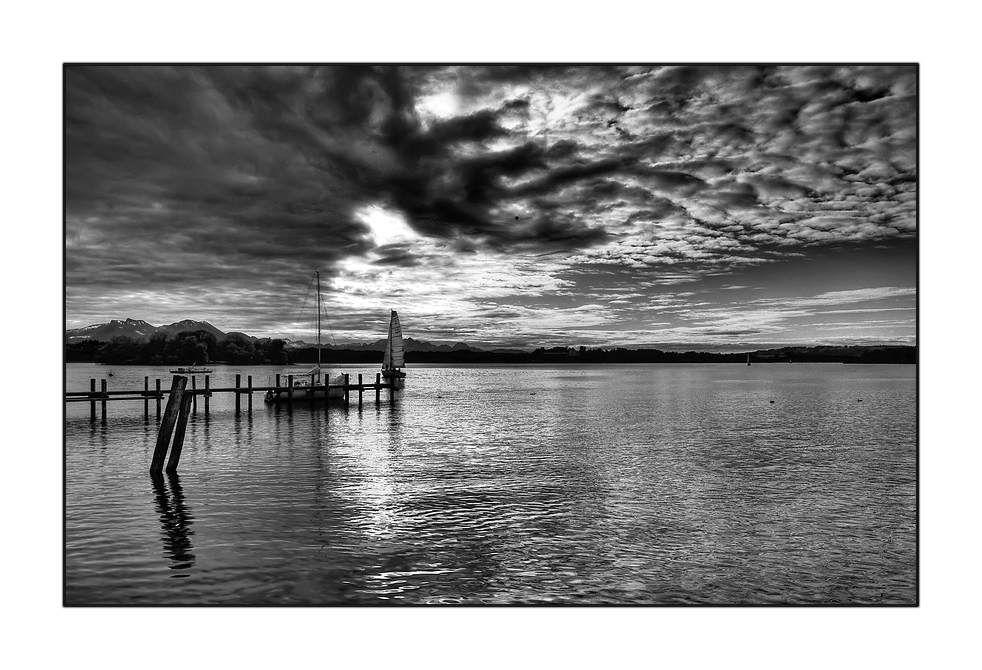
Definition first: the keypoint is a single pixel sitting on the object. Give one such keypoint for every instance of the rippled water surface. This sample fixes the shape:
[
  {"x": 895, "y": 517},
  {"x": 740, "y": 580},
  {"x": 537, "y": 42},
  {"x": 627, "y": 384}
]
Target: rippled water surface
[{"x": 643, "y": 484}]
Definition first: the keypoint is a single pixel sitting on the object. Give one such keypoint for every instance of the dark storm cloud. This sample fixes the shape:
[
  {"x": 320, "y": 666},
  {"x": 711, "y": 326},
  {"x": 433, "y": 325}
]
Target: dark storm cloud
[
  {"x": 562, "y": 176},
  {"x": 399, "y": 255},
  {"x": 162, "y": 156}
]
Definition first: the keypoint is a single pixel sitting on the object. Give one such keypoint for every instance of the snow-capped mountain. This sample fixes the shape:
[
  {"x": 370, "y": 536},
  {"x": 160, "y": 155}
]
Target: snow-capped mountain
[
  {"x": 137, "y": 329},
  {"x": 104, "y": 332}
]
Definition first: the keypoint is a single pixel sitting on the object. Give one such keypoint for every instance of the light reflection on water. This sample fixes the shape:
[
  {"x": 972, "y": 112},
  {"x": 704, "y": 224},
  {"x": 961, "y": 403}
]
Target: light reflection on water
[{"x": 639, "y": 484}]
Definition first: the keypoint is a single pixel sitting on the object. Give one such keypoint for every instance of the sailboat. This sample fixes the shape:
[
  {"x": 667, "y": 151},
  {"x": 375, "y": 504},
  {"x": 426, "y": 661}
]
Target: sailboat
[
  {"x": 306, "y": 389},
  {"x": 394, "y": 359}
]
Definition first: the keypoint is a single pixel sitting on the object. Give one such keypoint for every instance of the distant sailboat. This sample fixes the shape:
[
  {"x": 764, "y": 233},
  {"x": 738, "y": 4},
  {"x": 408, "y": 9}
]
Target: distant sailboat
[
  {"x": 394, "y": 358},
  {"x": 305, "y": 389}
]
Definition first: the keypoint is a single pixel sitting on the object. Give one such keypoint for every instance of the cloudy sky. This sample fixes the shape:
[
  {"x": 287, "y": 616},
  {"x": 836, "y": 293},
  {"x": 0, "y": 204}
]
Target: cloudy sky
[{"x": 710, "y": 207}]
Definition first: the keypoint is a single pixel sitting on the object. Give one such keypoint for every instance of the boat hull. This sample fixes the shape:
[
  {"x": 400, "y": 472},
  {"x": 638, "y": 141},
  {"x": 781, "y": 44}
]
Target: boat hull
[{"x": 396, "y": 378}]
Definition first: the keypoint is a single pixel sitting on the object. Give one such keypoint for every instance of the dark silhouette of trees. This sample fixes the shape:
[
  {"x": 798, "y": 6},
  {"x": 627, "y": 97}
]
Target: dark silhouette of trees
[{"x": 200, "y": 347}]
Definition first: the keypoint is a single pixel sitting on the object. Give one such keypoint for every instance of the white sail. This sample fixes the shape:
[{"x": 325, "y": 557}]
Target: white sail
[{"x": 394, "y": 356}]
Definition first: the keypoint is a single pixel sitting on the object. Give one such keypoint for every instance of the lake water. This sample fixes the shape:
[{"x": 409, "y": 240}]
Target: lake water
[{"x": 570, "y": 484}]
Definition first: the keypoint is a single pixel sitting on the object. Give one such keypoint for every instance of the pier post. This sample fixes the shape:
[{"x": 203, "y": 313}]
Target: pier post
[
  {"x": 289, "y": 392},
  {"x": 194, "y": 396},
  {"x": 158, "y": 399},
  {"x": 92, "y": 402},
  {"x": 249, "y": 381},
  {"x": 179, "y": 430},
  {"x": 277, "y": 381},
  {"x": 346, "y": 393},
  {"x": 238, "y": 380},
  {"x": 207, "y": 394},
  {"x": 146, "y": 398},
  {"x": 361, "y": 389},
  {"x": 103, "y": 422},
  {"x": 378, "y": 388},
  {"x": 167, "y": 426},
  {"x": 327, "y": 391}
]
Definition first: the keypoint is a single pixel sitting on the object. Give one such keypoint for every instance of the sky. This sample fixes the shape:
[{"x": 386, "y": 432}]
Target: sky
[{"x": 703, "y": 207}]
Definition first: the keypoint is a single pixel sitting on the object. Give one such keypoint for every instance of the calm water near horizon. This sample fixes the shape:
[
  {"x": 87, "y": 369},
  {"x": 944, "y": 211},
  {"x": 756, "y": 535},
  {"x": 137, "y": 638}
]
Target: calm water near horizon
[{"x": 569, "y": 484}]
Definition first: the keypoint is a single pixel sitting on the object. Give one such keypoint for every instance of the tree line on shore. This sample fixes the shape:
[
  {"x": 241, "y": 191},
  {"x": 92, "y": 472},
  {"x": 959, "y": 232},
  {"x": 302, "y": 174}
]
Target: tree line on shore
[
  {"x": 190, "y": 347},
  {"x": 200, "y": 347}
]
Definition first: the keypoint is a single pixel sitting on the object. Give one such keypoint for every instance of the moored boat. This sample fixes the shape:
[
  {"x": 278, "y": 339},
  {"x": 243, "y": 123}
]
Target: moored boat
[
  {"x": 192, "y": 370},
  {"x": 316, "y": 381}
]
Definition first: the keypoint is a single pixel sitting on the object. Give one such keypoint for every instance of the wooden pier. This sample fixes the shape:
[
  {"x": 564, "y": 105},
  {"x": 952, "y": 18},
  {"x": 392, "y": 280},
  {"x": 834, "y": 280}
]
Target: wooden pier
[
  {"x": 99, "y": 397},
  {"x": 182, "y": 402}
]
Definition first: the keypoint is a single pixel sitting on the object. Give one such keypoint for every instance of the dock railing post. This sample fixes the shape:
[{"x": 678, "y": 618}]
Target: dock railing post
[
  {"x": 167, "y": 426},
  {"x": 92, "y": 396},
  {"x": 104, "y": 396},
  {"x": 179, "y": 430},
  {"x": 238, "y": 380}
]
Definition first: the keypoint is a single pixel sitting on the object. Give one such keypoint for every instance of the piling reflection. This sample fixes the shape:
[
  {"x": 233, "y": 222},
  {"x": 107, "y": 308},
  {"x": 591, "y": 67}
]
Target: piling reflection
[{"x": 175, "y": 520}]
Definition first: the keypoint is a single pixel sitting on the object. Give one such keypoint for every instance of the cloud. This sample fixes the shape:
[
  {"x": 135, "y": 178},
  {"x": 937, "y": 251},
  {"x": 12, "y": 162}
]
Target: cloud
[{"x": 235, "y": 181}]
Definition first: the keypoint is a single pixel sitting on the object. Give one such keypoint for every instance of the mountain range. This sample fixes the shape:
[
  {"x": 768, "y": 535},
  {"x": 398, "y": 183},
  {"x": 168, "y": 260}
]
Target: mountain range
[{"x": 138, "y": 329}]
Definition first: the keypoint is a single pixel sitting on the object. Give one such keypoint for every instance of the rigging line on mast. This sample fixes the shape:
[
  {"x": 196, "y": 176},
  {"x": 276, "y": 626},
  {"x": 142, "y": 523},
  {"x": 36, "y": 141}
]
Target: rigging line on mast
[
  {"x": 327, "y": 318},
  {"x": 306, "y": 296},
  {"x": 330, "y": 329}
]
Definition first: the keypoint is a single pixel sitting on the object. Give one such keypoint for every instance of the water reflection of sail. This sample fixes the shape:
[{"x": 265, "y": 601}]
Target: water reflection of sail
[{"x": 175, "y": 519}]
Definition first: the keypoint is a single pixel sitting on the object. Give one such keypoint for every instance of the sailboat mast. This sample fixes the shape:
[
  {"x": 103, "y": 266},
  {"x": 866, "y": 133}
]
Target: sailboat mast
[{"x": 318, "y": 276}]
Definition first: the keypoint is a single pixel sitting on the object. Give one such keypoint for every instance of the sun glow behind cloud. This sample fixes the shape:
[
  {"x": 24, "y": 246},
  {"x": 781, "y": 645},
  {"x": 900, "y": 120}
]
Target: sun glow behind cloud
[{"x": 385, "y": 226}]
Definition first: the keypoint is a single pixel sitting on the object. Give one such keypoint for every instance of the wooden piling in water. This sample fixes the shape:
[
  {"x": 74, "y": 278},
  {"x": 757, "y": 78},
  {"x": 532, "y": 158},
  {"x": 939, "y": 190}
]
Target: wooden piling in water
[
  {"x": 158, "y": 399},
  {"x": 347, "y": 378},
  {"x": 361, "y": 389},
  {"x": 103, "y": 422},
  {"x": 146, "y": 398},
  {"x": 277, "y": 381},
  {"x": 207, "y": 394},
  {"x": 249, "y": 406},
  {"x": 92, "y": 402},
  {"x": 167, "y": 426},
  {"x": 378, "y": 388},
  {"x": 194, "y": 396},
  {"x": 179, "y": 430},
  {"x": 289, "y": 392},
  {"x": 238, "y": 381}
]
